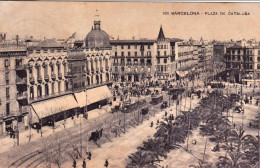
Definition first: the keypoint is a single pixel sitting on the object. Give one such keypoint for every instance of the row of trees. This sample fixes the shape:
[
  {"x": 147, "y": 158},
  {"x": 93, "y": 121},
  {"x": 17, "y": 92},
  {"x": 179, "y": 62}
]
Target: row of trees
[{"x": 241, "y": 149}]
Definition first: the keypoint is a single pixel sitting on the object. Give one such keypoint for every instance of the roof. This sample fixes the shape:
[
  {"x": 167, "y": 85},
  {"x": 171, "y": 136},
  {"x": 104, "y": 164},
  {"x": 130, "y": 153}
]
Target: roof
[
  {"x": 49, "y": 43},
  {"x": 97, "y": 38},
  {"x": 143, "y": 41},
  {"x": 161, "y": 34},
  {"x": 175, "y": 39}
]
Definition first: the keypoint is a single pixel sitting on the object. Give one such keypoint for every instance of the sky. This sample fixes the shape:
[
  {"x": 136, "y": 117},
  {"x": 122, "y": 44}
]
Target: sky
[{"x": 127, "y": 19}]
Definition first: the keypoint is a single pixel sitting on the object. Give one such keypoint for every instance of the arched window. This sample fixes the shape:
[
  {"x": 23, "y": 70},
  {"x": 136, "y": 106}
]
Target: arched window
[
  {"x": 46, "y": 89},
  {"x": 39, "y": 91},
  {"x": 97, "y": 79},
  {"x": 31, "y": 92}
]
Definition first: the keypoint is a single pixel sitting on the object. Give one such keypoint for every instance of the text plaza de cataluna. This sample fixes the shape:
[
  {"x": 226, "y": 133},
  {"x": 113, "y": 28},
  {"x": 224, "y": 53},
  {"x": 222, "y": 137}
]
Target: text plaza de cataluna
[{"x": 44, "y": 81}]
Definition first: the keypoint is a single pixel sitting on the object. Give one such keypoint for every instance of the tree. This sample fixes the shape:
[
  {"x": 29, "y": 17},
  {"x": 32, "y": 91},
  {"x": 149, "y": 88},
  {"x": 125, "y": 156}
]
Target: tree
[{"x": 232, "y": 160}]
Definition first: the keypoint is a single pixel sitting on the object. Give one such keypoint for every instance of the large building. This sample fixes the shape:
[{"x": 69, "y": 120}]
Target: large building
[
  {"x": 243, "y": 63},
  {"x": 144, "y": 60},
  {"x": 38, "y": 81},
  {"x": 12, "y": 86}
]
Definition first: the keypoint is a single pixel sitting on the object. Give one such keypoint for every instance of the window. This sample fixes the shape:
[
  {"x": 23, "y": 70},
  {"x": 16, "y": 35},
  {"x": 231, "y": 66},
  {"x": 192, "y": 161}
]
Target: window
[
  {"x": 129, "y": 54},
  {"x": 142, "y": 53},
  {"x": 149, "y": 53},
  {"x": 58, "y": 66},
  {"x": 115, "y": 54},
  {"x": 135, "y": 46},
  {"x": 258, "y": 66},
  {"x": 250, "y": 66},
  {"x": 165, "y": 60},
  {"x": 165, "y": 53},
  {"x": 52, "y": 88},
  {"x": 7, "y": 78},
  {"x": 122, "y": 69},
  {"x": 250, "y": 58},
  {"x": 59, "y": 84},
  {"x": 158, "y": 60},
  {"x": 128, "y": 46},
  {"x": 149, "y": 47},
  {"x": 7, "y": 63},
  {"x": 122, "y": 54},
  {"x": 122, "y": 47},
  {"x": 258, "y": 59},
  {"x": 135, "y": 53},
  {"x": 7, "y": 109},
  {"x": 38, "y": 72},
  {"x": 46, "y": 89},
  {"x": 7, "y": 93},
  {"x": 161, "y": 68},
  {"x": 158, "y": 53}
]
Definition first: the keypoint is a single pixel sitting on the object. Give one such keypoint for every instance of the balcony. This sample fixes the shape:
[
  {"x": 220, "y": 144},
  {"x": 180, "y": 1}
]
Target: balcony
[
  {"x": 21, "y": 81},
  {"x": 39, "y": 78},
  {"x": 122, "y": 64},
  {"x": 21, "y": 96},
  {"x": 129, "y": 63},
  {"x": 53, "y": 76},
  {"x": 31, "y": 79},
  {"x": 60, "y": 75},
  {"x": 46, "y": 77}
]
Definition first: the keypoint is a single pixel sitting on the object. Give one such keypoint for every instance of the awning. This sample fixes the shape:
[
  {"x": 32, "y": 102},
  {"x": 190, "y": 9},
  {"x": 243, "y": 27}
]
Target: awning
[
  {"x": 97, "y": 94},
  {"x": 81, "y": 99},
  {"x": 53, "y": 106},
  {"x": 182, "y": 73}
]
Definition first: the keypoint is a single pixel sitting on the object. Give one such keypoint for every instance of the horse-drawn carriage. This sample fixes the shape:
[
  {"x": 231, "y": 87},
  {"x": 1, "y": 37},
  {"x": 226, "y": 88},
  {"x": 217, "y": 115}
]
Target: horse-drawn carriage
[{"x": 145, "y": 111}]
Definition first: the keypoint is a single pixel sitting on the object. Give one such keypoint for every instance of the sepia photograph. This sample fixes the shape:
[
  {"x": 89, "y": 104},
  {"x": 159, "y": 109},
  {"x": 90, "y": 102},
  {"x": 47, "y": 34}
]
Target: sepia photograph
[{"x": 129, "y": 84}]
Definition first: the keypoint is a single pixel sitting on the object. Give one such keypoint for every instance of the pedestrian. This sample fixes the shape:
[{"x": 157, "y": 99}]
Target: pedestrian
[
  {"x": 89, "y": 155},
  {"x": 158, "y": 121},
  {"x": 250, "y": 124},
  {"x": 74, "y": 164},
  {"x": 84, "y": 164},
  {"x": 152, "y": 124},
  {"x": 165, "y": 113},
  {"x": 106, "y": 163}
]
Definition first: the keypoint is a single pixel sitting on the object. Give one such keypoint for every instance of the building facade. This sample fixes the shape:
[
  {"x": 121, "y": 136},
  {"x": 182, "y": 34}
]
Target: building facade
[
  {"x": 12, "y": 97},
  {"x": 243, "y": 64},
  {"x": 38, "y": 81},
  {"x": 144, "y": 60}
]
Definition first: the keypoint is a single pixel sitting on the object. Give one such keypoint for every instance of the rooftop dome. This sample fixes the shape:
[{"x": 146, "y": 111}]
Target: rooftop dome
[
  {"x": 49, "y": 43},
  {"x": 97, "y": 38}
]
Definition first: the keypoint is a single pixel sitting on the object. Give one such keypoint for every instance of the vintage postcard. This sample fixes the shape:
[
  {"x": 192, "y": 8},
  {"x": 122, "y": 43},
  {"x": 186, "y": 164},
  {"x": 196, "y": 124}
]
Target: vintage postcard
[{"x": 129, "y": 85}]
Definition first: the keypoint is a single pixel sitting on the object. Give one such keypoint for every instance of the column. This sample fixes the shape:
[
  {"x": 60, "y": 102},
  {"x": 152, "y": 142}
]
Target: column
[
  {"x": 25, "y": 121},
  {"x": 3, "y": 126}
]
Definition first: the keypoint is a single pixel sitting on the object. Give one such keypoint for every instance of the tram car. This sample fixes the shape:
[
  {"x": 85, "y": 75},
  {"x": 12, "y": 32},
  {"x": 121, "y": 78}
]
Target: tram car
[{"x": 156, "y": 99}]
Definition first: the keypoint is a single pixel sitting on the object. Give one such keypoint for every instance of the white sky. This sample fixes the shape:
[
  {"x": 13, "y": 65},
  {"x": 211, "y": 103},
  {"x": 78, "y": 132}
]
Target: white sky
[{"x": 127, "y": 19}]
